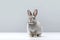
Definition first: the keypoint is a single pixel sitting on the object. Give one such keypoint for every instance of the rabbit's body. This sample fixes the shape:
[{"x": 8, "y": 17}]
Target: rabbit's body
[{"x": 34, "y": 26}]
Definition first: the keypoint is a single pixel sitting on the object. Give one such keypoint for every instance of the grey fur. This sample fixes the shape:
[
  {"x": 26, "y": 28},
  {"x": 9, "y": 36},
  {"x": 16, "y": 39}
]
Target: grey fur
[{"x": 34, "y": 26}]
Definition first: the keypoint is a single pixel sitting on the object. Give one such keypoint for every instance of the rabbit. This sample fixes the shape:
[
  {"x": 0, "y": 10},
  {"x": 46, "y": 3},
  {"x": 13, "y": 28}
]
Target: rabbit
[{"x": 34, "y": 27}]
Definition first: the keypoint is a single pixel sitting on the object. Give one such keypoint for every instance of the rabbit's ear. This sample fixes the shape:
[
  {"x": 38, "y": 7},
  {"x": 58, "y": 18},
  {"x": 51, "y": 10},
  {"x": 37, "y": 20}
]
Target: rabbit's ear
[
  {"x": 29, "y": 12},
  {"x": 35, "y": 12}
]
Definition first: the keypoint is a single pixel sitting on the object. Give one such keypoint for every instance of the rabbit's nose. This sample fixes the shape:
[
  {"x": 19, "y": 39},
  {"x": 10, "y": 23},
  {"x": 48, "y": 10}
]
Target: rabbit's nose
[{"x": 33, "y": 17}]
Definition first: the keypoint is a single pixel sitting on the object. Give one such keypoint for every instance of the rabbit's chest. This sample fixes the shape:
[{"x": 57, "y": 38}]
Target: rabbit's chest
[{"x": 32, "y": 27}]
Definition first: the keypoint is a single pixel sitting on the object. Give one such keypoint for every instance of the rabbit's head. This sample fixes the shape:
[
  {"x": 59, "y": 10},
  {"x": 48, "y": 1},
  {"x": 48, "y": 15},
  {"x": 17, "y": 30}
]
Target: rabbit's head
[{"x": 32, "y": 16}]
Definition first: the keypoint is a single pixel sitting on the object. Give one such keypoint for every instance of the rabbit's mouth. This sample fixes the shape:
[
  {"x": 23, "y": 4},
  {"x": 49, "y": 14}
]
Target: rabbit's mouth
[{"x": 30, "y": 22}]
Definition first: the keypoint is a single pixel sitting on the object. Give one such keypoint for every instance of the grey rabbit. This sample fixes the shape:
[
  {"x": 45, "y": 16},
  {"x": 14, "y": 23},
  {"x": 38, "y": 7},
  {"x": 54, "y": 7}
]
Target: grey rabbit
[{"x": 34, "y": 27}]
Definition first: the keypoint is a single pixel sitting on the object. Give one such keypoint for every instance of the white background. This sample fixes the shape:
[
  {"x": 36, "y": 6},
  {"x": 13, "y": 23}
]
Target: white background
[
  {"x": 13, "y": 14},
  {"x": 25, "y": 36}
]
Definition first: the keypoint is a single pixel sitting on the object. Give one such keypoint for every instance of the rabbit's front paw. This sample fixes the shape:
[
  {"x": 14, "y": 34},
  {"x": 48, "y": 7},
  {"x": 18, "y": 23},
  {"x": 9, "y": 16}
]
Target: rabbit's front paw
[{"x": 32, "y": 35}]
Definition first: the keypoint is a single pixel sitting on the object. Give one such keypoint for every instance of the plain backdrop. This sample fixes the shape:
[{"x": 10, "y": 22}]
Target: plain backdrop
[{"x": 13, "y": 14}]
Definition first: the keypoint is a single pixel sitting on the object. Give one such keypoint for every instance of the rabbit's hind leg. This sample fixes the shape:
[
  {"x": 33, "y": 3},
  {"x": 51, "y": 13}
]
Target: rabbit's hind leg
[{"x": 38, "y": 35}]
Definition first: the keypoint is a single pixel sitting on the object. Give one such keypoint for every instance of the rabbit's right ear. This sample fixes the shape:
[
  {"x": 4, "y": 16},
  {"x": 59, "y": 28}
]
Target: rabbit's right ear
[
  {"x": 29, "y": 12},
  {"x": 35, "y": 12}
]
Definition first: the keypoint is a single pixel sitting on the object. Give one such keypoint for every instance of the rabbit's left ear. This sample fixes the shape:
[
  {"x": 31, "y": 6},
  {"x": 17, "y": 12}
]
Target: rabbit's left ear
[
  {"x": 29, "y": 12},
  {"x": 35, "y": 12}
]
